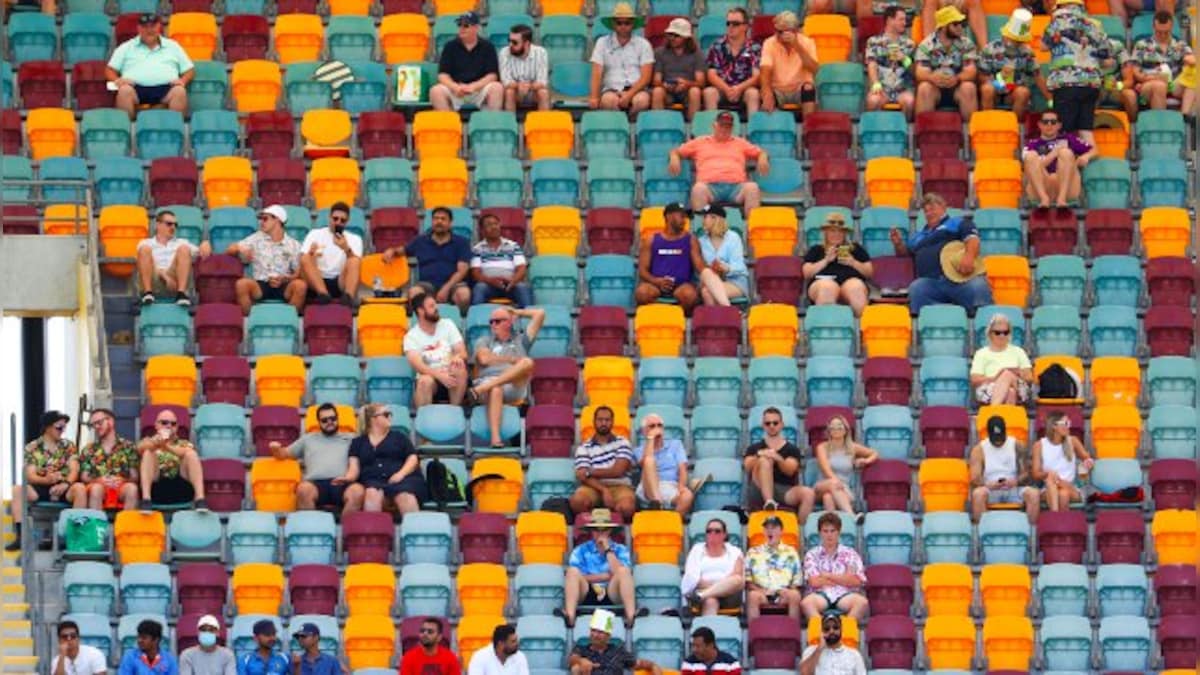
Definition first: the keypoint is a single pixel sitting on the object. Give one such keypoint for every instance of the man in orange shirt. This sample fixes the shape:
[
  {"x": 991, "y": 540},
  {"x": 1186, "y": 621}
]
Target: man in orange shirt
[
  {"x": 789, "y": 65},
  {"x": 721, "y": 166}
]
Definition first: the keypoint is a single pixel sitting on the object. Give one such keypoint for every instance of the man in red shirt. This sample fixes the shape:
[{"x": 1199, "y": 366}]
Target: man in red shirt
[
  {"x": 720, "y": 161},
  {"x": 431, "y": 657}
]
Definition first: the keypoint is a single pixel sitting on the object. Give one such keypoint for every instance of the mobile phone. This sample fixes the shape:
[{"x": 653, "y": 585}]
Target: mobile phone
[{"x": 339, "y": 229}]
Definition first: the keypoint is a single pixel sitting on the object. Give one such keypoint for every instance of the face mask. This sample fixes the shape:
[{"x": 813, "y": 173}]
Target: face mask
[{"x": 207, "y": 639}]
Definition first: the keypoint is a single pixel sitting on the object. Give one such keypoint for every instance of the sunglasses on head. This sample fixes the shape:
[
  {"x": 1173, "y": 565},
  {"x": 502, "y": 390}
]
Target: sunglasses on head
[{"x": 167, "y": 423}]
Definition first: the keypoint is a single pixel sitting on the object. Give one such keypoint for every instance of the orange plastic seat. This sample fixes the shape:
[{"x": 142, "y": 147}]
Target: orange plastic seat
[
  {"x": 1005, "y": 589},
  {"x": 444, "y": 7},
  {"x": 1166, "y": 231},
  {"x": 772, "y": 230},
  {"x": 369, "y": 641},
  {"x": 443, "y": 182},
  {"x": 944, "y": 484},
  {"x": 998, "y": 183},
  {"x": 886, "y": 330},
  {"x": 273, "y": 483},
  {"x": 1116, "y": 380},
  {"x": 1010, "y": 279},
  {"x": 660, "y": 330},
  {"x": 1071, "y": 363},
  {"x": 542, "y": 537},
  {"x": 65, "y": 219},
  {"x": 347, "y": 419},
  {"x": 170, "y": 380},
  {"x": 279, "y": 379},
  {"x": 1037, "y": 28},
  {"x": 773, "y": 330},
  {"x": 51, "y": 133},
  {"x": 1016, "y": 421},
  {"x": 370, "y": 589},
  {"x": 1175, "y": 536},
  {"x": 890, "y": 181},
  {"x": 404, "y": 38},
  {"x": 832, "y": 34},
  {"x": 850, "y": 631},
  {"x": 608, "y": 380},
  {"x": 657, "y": 537},
  {"x": 651, "y": 222},
  {"x": 381, "y": 329},
  {"x": 140, "y": 536},
  {"x": 474, "y": 633},
  {"x": 498, "y": 495},
  {"x": 392, "y": 276},
  {"x": 349, "y": 7},
  {"x": 121, "y": 228},
  {"x": 482, "y": 589},
  {"x": 947, "y": 589},
  {"x": 950, "y": 642},
  {"x": 298, "y": 37},
  {"x": 549, "y": 134},
  {"x": 622, "y": 424},
  {"x": 995, "y": 134},
  {"x": 257, "y": 85},
  {"x": 1008, "y": 642},
  {"x": 334, "y": 179},
  {"x": 556, "y": 230},
  {"x": 437, "y": 133},
  {"x": 228, "y": 181},
  {"x": 791, "y": 528},
  {"x": 257, "y": 588},
  {"x": 553, "y": 7},
  {"x": 1112, "y": 139},
  {"x": 196, "y": 32},
  {"x": 1116, "y": 431},
  {"x": 326, "y": 133}
]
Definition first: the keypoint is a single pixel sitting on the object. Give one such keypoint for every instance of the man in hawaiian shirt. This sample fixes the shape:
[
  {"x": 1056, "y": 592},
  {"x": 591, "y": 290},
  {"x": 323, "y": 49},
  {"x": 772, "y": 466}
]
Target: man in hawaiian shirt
[
  {"x": 109, "y": 465},
  {"x": 834, "y": 573},
  {"x": 1159, "y": 60},
  {"x": 733, "y": 62},
  {"x": 889, "y": 64},
  {"x": 274, "y": 259},
  {"x": 946, "y": 66},
  {"x": 1077, "y": 45},
  {"x": 1008, "y": 69},
  {"x": 600, "y": 656},
  {"x": 1118, "y": 82},
  {"x": 51, "y": 471},
  {"x": 774, "y": 573},
  {"x": 170, "y": 470}
]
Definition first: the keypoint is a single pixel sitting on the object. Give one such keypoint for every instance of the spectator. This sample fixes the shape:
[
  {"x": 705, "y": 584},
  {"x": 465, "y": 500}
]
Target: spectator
[
  {"x": 932, "y": 286},
  {"x": 389, "y": 465},
  {"x": 150, "y": 69},
  {"x": 833, "y": 657},
  {"x": 331, "y": 258},
  {"x": 108, "y": 466},
  {"x": 678, "y": 70},
  {"x": 721, "y": 166},
  {"x": 498, "y": 267},
  {"x": 602, "y": 467},
  {"x": 274, "y": 259},
  {"x": 971, "y": 9},
  {"x": 622, "y": 64},
  {"x": 502, "y": 657},
  {"x": 773, "y": 466},
  {"x": 664, "y": 471},
  {"x": 1000, "y": 472},
  {"x": 436, "y": 352},
  {"x": 1118, "y": 87},
  {"x": 164, "y": 261},
  {"x": 443, "y": 260},
  {"x": 599, "y": 572},
  {"x": 733, "y": 66},
  {"x": 946, "y": 66},
  {"x": 839, "y": 457},
  {"x": 789, "y": 66},
  {"x": 837, "y": 268},
  {"x": 505, "y": 367},
  {"x": 207, "y": 657},
  {"x": 1126, "y": 9},
  {"x": 310, "y": 660},
  {"x": 1001, "y": 371},
  {"x": 1008, "y": 69},
  {"x": 75, "y": 658},
  {"x": 667, "y": 266},
  {"x": 889, "y": 58},
  {"x": 170, "y": 469},
  {"x": 265, "y": 659},
  {"x": 834, "y": 573},
  {"x": 774, "y": 575},
  {"x": 430, "y": 656},
  {"x": 1160, "y": 60},
  {"x": 468, "y": 71},
  {"x": 707, "y": 658},
  {"x": 524, "y": 71},
  {"x": 51, "y": 471},
  {"x": 1056, "y": 459},
  {"x": 148, "y": 657},
  {"x": 1077, "y": 45},
  {"x": 602, "y": 657},
  {"x": 329, "y": 471},
  {"x": 1054, "y": 162},
  {"x": 713, "y": 573},
  {"x": 725, "y": 275}
]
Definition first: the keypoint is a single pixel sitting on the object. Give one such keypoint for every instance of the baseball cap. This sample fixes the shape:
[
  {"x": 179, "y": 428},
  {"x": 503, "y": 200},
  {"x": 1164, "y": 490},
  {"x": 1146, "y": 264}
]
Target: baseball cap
[
  {"x": 307, "y": 630},
  {"x": 52, "y": 417},
  {"x": 277, "y": 211},
  {"x": 774, "y": 521},
  {"x": 997, "y": 432},
  {"x": 264, "y": 627},
  {"x": 675, "y": 207},
  {"x": 148, "y": 18},
  {"x": 467, "y": 19},
  {"x": 208, "y": 621},
  {"x": 712, "y": 209}
]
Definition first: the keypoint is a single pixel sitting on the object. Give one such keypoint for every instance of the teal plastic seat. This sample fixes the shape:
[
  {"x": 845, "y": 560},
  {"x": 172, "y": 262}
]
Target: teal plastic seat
[
  {"x": 814, "y": 218},
  {"x": 1113, "y": 330},
  {"x": 1016, "y": 319},
  {"x": 889, "y": 430},
  {"x": 1173, "y": 431},
  {"x": 273, "y": 329},
  {"x": 1163, "y": 182},
  {"x": 86, "y": 36},
  {"x": 943, "y": 330},
  {"x": 812, "y": 535},
  {"x": 659, "y": 186},
  {"x": 94, "y": 631},
  {"x": 791, "y": 422},
  {"x": 1114, "y": 27},
  {"x": 119, "y": 180},
  {"x": 1000, "y": 231},
  {"x": 659, "y": 639},
  {"x": 658, "y": 132},
  {"x": 427, "y": 538},
  {"x": 663, "y": 380},
  {"x": 1124, "y": 642},
  {"x": 829, "y": 330},
  {"x": 228, "y": 225},
  {"x": 221, "y": 431},
  {"x": 716, "y": 431},
  {"x": 500, "y": 23},
  {"x": 829, "y": 380},
  {"x": 388, "y": 181},
  {"x": 493, "y": 134},
  {"x": 510, "y": 431},
  {"x": 718, "y": 380},
  {"x": 555, "y": 279},
  {"x": 888, "y": 537},
  {"x": 90, "y": 586},
  {"x": 333, "y": 378},
  {"x": 774, "y": 380},
  {"x": 327, "y": 626},
  {"x": 554, "y": 182},
  {"x": 444, "y": 30},
  {"x": 127, "y": 628},
  {"x": 196, "y": 535},
  {"x": 543, "y": 641},
  {"x": 1110, "y": 475},
  {"x": 1057, "y": 329},
  {"x": 611, "y": 182},
  {"x": 1061, "y": 280},
  {"x": 1004, "y": 537},
  {"x": 946, "y": 537},
  {"x": 478, "y": 324},
  {"x": 310, "y": 537},
  {"x": 191, "y": 222},
  {"x": 605, "y": 133},
  {"x": 1067, "y": 643},
  {"x": 145, "y": 588},
  {"x": 695, "y": 527},
  {"x": 104, "y": 133},
  {"x": 883, "y": 133},
  {"x": 241, "y": 633},
  {"x": 499, "y": 182},
  {"x": 442, "y": 429},
  {"x": 368, "y": 91},
  {"x": 539, "y": 588},
  {"x": 52, "y": 169},
  {"x": 570, "y": 84},
  {"x": 6, "y": 84},
  {"x": 945, "y": 380},
  {"x": 876, "y": 223},
  {"x": 164, "y": 329},
  {"x": 215, "y": 133},
  {"x": 565, "y": 38},
  {"x": 610, "y": 280},
  {"x": 840, "y": 88},
  {"x": 727, "y": 629},
  {"x": 299, "y": 221},
  {"x": 674, "y": 426},
  {"x": 351, "y": 38},
  {"x": 549, "y": 477},
  {"x": 32, "y": 37},
  {"x": 1062, "y": 589},
  {"x": 1172, "y": 380},
  {"x": 725, "y": 485},
  {"x": 389, "y": 379},
  {"x": 1122, "y": 589},
  {"x": 207, "y": 91},
  {"x": 303, "y": 92},
  {"x": 425, "y": 589},
  {"x": 710, "y": 29},
  {"x": 555, "y": 337},
  {"x": 138, "y": 6},
  {"x": 1160, "y": 134},
  {"x": 253, "y": 537},
  {"x": 656, "y": 586},
  {"x": 785, "y": 182},
  {"x": 1106, "y": 183},
  {"x": 159, "y": 134},
  {"x": 775, "y": 131},
  {"x": 1117, "y": 280}
]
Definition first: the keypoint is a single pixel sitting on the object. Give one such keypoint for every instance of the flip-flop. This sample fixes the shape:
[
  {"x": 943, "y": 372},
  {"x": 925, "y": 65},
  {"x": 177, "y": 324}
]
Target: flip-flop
[{"x": 471, "y": 398}]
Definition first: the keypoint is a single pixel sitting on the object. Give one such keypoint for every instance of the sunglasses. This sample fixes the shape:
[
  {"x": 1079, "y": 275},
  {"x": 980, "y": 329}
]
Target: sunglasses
[
  {"x": 167, "y": 423},
  {"x": 714, "y": 530},
  {"x": 96, "y": 424},
  {"x": 771, "y": 423},
  {"x": 338, "y": 219},
  {"x": 1000, "y": 332},
  {"x": 60, "y": 427},
  {"x": 1049, "y": 122},
  {"x": 168, "y": 223},
  {"x": 496, "y": 321},
  {"x": 327, "y": 420},
  {"x": 730, "y": 24},
  {"x": 1063, "y": 423}
]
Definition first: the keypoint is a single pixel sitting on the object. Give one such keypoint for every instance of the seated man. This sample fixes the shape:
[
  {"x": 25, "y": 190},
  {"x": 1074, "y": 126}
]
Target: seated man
[
  {"x": 331, "y": 258},
  {"x": 1054, "y": 162},
  {"x": 443, "y": 260},
  {"x": 51, "y": 471},
  {"x": 498, "y": 267},
  {"x": 170, "y": 471},
  {"x": 429, "y": 655},
  {"x": 1000, "y": 473},
  {"x": 664, "y": 471},
  {"x": 1118, "y": 80},
  {"x": 706, "y": 657},
  {"x": 889, "y": 64},
  {"x": 773, "y": 466},
  {"x": 1160, "y": 60},
  {"x": 789, "y": 67},
  {"x": 773, "y": 573},
  {"x": 468, "y": 70},
  {"x": 733, "y": 66},
  {"x": 150, "y": 69},
  {"x": 946, "y": 69},
  {"x": 931, "y": 285},
  {"x": 669, "y": 263},
  {"x": 830, "y": 654},
  {"x": 435, "y": 350},
  {"x": 622, "y": 64},
  {"x": 328, "y": 466},
  {"x": 602, "y": 467},
  {"x": 834, "y": 574},
  {"x": 274, "y": 259},
  {"x": 504, "y": 364},
  {"x": 602, "y": 657},
  {"x": 678, "y": 70},
  {"x": 599, "y": 572},
  {"x": 524, "y": 71},
  {"x": 108, "y": 466},
  {"x": 721, "y": 166},
  {"x": 1008, "y": 69},
  {"x": 164, "y": 261}
]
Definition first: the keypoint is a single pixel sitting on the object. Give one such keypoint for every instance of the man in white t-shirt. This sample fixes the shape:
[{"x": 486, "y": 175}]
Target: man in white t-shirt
[
  {"x": 331, "y": 259},
  {"x": 502, "y": 657},
  {"x": 164, "y": 261},
  {"x": 74, "y": 658},
  {"x": 437, "y": 353},
  {"x": 831, "y": 657}
]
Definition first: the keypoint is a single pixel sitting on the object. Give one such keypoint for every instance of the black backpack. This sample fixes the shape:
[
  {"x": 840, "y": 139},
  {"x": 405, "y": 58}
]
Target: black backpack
[
  {"x": 1058, "y": 382},
  {"x": 444, "y": 487}
]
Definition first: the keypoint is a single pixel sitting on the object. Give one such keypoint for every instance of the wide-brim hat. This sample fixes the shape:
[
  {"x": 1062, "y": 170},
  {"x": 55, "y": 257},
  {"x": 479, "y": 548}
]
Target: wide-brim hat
[
  {"x": 601, "y": 520},
  {"x": 1018, "y": 28},
  {"x": 837, "y": 221},
  {"x": 952, "y": 253},
  {"x": 679, "y": 26},
  {"x": 948, "y": 15},
  {"x": 623, "y": 10}
]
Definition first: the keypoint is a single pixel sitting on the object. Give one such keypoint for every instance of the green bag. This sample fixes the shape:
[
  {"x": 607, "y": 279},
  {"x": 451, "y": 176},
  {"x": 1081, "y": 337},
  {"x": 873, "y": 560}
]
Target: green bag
[{"x": 86, "y": 534}]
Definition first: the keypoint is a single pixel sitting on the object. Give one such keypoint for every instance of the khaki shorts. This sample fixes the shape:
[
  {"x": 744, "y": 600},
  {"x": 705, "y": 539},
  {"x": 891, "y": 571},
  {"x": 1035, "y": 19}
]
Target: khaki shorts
[{"x": 618, "y": 492}]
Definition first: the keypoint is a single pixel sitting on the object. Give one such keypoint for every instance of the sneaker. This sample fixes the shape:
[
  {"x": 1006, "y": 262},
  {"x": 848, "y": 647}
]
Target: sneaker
[
  {"x": 770, "y": 505},
  {"x": 145, "y": 505},
  {"x": 147, "y": 298},
  {"x": 201, "y": 505},
  {"x": 13, "y": 546},
  {"x": 323, "y": 299},
  {"x": 183, "y": 300},
  {"x": 696, "y": 483}
]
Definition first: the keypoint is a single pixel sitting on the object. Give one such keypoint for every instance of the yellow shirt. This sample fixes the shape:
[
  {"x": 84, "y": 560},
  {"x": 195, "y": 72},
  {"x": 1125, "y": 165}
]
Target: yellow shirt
[
  {"x": 787, "y": 70},
  {"x": 989, "y": 363}
]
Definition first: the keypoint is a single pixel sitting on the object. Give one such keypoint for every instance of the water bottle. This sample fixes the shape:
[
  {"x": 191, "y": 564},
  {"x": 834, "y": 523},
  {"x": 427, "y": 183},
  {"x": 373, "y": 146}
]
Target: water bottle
[{"x": 378, "y": 285}]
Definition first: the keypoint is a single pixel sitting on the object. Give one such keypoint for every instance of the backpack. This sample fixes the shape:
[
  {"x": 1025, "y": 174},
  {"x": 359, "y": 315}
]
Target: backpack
[
  {"x": 443, "y": 484},
  {"x": 1058, "y": 382},
  {"x": 86, "y": 534}
]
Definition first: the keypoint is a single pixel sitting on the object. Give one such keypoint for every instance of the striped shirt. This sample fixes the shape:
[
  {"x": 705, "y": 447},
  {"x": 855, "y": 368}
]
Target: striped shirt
[
  {"x": 593, "y": 455},
  {"x": 724, "y": 664},
  {"x": 501, "y": 262},
  {"x": 534, "y": 66}
]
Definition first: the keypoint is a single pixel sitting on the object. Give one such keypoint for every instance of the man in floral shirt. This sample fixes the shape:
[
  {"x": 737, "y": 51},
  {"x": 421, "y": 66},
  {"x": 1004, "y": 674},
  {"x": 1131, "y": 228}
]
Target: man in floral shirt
[
  {"x": 109, "y": 465},
  {"x": 1077, "y": 45},
  {"x": 946, "y": 66},
  {"x": 1117, "y": 73},
  {"x": 51, "y": 471},
  {"x": 733, "y": 66},
  {"x": 274, "y": 259},
  {"x": 1159, "y": 60},
  {"x": 774, "y": 575},
  {"x": 834, "y": 573},
  {"x": 889, "y": 64},
  {"x": 170, "y": 470},
  {"x": 1008, "y": 69}
]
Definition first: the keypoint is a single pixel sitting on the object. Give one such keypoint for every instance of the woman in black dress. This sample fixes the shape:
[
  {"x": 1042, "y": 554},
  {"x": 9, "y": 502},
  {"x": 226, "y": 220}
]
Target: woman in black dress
[
  {"x": 838, "y": 269},
  {"x": 388, "y": 464}
]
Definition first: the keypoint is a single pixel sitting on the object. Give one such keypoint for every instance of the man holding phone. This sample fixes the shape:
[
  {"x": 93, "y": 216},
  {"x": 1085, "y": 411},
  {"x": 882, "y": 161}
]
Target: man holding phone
[
  {"x": 331, "y": 259},
  {"x": 774, "y": 574},
  {"x": 1000, "y": 473},
  {"x": 830, "y": 655}
]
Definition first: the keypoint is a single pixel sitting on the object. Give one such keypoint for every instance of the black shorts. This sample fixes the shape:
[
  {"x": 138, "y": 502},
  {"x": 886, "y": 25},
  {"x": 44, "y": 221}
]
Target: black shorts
[
  {"x": 43, "y": 493},
  {"x": 270, "y": 292},
  {"x": 947, "y": 99},
  {"x": 328, "y": 494},
  {"x": 1076, "y": 107},
  {"x": 331, "y": 285},
  {"x": 171, "y": 491},
  {"x": 440, "y": 393},
  {"x": 414, "y": 484},
  {"x": 151, "y": 95}
]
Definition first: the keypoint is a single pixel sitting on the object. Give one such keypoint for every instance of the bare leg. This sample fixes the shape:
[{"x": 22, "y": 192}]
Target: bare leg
[
  {"x": 145, "y": 269},
  {"x": 177, "y": 100},
  {"x": 1051, "y": 492},
  {"x": 791, "y": 597},
  {"x": 650, "y": 477},
  {"x": 575, "y": 587},
  {"x": 1035, "y": 179},
  {"x": 813, "y": 605},
  {"x": 129, "y": 496},
  {"x": 750, "y": 196},
  {"x": 517, "y": 373},
  {"x": 1004, "y": 388},
  {"x": 95, "y": 497},
  {"x": 306, "y": 496},
  {"x": 684, "y": 500},
  {"x": 193, "y": 472},
  {"x": 1033, "y": 504},
  {"x": 495, "y": 408},
  {"x": 248, "y": 292},
  {"x": 854, "y": 293},
  {"x": 764, "y": 478},
  {"x": 349, "y": 277},
  {"x": 693, "y": 102},
  {"x": 979, "y": 498},
  {"x": 311, "y": 275},
  {"x": 406, "y": 503},
  {"x": 853, "y": 604},
  {"x": 713, "y": 288},
  {"x": 423, "y": 390},
  {"x": 373, "y": 500},
  {"x": 1065, "y": 170},
  {"x": 802, "y": 497},
  {"x": 352, "y": 498},
  {"x": 459, "y": 389},
  {"x": 754, "y": 602},
  {"x": 127, "y": 100},
  {"x": 621, "y": 586},
  {"x": 823, "y": 292},
  {"x": 148, "y": 471},
  {"x": 294, "y": 294}
]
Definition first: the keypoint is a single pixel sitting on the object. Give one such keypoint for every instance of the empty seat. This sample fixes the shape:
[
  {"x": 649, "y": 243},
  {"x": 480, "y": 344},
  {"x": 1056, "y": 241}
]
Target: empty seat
[
  {"x": 994, "y": 135},
  {"x": 369, "y": 641},
  {"x": 538, "y": 588},
  {"x": 256, "y": 85},
  {"x": 944, "y": 484},
  {"x": 196, "y": 32},
  {"x": 1124, "y": 642},
  {"x": 890, "y": 181},
  {"x": 1005, "y": 590},
  {"x": 886, "y": 330},
  {"x": 1008, "y": 643},
  {"x": 90, "y": 587},
  {"x": 51, "y": 132},
  {"x": 888, "y": 537},
  {"x": 273, "y": 483},
  {"x": 950, "y": 641},
  {"x": 1173, "y": 483},
  {"x": 998, "y": 183}
]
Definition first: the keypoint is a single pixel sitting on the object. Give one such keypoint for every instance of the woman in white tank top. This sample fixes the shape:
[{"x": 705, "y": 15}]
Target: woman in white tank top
[{"x": 1056, "y": 460}]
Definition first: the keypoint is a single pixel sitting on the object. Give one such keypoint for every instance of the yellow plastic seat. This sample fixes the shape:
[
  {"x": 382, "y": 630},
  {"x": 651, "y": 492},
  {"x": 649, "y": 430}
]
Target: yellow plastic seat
[
  {"x": 437, "y": 133},
  {"x": 890, "y": 181},
  {"x": 65, "y": 219},
  {"x": 334, "y": 179},
  {"x": 556, "y": 230},
  {"x": 1009, "y": 277},
  {"x": 1166, "y": 231},
  {"x": 622, "y": 424},
  {"x": 498, "y": 495},
  {"x": 326, "y": 133},
  {"x": 196, "y": 32},
  {"x": 608, "y": 380},
  {"x": 995, "y": 134},
  {"x": 772, "y": 230},
  {"x": 51, "y": 133},
  {"x": 370, "y": 589},
  {"x": 553, "y": 7},
  {"x": 349, "y": 7},
  {"x": 998, "y": 183},
  {"x": 773, "y": 330},
  {"x": 1116, "y": 380},
  {"x": 1005, "y": 589},
  {"x": 228, "y": 181},
  {"x": 791, "y": 528},
  {"x": 392, "y": 276},
  {"x": 257, "y": 588},
  {"x": 657, "y": 537},
  {"x": 1112, "y": 139},
  {"x": 1007, "y": 642},
  {"x": 949, "y": 642},
  {"x": 121, "y": 228},
  {"x": 947, "y": 589},
  {"x": 256, "y": 84},
  {"x": 832, "y": 34},
  {"x": 850, "y": 632},
  {"x": 1116, "y": 431},
  {"x": 140, "y": 536},
  {"x": 273, "y": 483},
  {"x": 660, "y": 330},
  {"x": 369, "y": 641},
  {"x": 886, "y": 330},
  {"x": 1175, "y": 537},
  {"x": 474, "y": 633},
  {"x": 404, "y": 38},
  {"x": 445, "y": 7},
  {"x": 1037, "y": 28},
  {"x": 347, "y": 419},
  {"x": 944, "y": 483},
  {"x": 279, "y": 379},
  {"x": 1071, "y": 363},
  {"x": 443, "y": 182},
  {"x": 541, "y": 537},
  {"x": 298, "y": 37},
  {"x": 549, "y": 134},
  {"x": 171, "y": 380},
  {"x": 482, "y": 589},
  {"x": 381, "y": 329},
  {"x": 651, "y": 221},
  {"x": 1016, "y": 421}
]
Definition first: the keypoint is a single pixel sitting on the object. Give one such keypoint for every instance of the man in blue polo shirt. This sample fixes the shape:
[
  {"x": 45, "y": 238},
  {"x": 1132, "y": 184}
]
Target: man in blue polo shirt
[
  {"x": 150, "y": 69},
  {"x": 147, "y": 658},
  {"x": 931, "y": 286},
  {"x": 311, "y": 660},
  {"x": 264, "y": 660},
  {"x": 443, "y": 260}
]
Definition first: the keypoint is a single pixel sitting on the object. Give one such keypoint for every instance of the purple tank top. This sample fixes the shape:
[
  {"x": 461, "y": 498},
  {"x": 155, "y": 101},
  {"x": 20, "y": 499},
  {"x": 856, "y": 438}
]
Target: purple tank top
[{"x": 672, "y": 257}]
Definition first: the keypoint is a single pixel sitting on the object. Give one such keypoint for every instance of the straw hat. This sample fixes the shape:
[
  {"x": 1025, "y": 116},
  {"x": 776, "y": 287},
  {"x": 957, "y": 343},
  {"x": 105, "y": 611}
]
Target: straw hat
[
  {"x": 624, "y": 10},
  {"x": 601, "y": 520},
  {"x": 948, "y": 15},
  {"x": 952, "y": 253},
  {"x": 1017, "y": 28}
]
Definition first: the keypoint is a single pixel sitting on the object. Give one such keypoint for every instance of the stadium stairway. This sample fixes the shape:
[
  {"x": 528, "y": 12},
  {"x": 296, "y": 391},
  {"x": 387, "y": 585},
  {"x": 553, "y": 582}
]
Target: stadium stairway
[{"x": 17, "y": 655}]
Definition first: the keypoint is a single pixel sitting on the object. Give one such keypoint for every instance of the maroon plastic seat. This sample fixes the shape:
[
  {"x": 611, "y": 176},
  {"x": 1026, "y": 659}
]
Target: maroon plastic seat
[
  {"x": 1175, "y": 589},
  {"x": 1074, "y": 414},
  {"x": 945, "y": 431},
  {"x": 245, "y": 36},
  {"x": 512, "y": 222},
  {"x": 20, "y": 219},
  {"x": 886, "y": 485},
  {"x": 224, "y": 484},
  {"x": 1173, "y": 483},
  {"x": 216, "y": 276},
  {"x": 582, "y": 534},
  {"x": 42, "y": 84},
  {"x": 126, "y": 27},
  {"x": 89, "y": 86},
  {"x": 1108, "y": 231},
  {"x": 483, "y": 538},
  {"x": 938, "y": 134},
  {"x": 947, "y": 177},
  {"x": 1170, "y": 330},
  {"x": 716, "y": 331},
  {"x": 368, "y": 537},
  {"x": 313, "y": 589},
  {"x": 603, "y": 330},
  {"x": 1171, "y": 281},
  {"x": 1178, "y": 636},
  {"x": 555, "y": 380},
  {"x": 868, "y": 27},
  {"x": 890, "y": 590},
  {"x": 281, "y": 181},
  {"x": 762, "y": 27},
  {"x": 835, "y": 182},
  {"x": 186, "y": 633},
  {"x": 173, "y": 180},
  {"x": 150, "y": 413},
  {"x": 1053, "y": 232},
  {"x": 1120, "y": 536},
  {"x": 609, "y": 230},
  {"x": 219, "y": 329},
  {"x": 225, "y": 379},
  {"x": 382, "y": 134},
  {"x": 410, "y": 627},
  {"x": 779, "y": 279},
  {"x": 10, "y": 131},
  {"x": 550, "y": 430},
  {"x": 297, "y": 6},
  {"x": 655, "y": 30},
  {"x": 892, "y": 642},
  {"x": 817, "y": 418},
  {"x": 1062, "y": 536},
  {"x": 827, "y": 135},
  {"x": 273, "y": 423},
  {"x": 888, "y": 380},
  {"x": 190, "y": 6},
  {"x": 774, "y": 642},
  {"x": 270, "y": 134},
  {"x": 202, "y": 587},
  {"x": 893, "y": 272},
  {"x": 394, "y": 226},
  {"x": 328, "y": 329}
]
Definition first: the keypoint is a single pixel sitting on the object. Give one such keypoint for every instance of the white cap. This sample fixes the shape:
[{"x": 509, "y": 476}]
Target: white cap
[
  {"x": 277, "y": 211},
  {"x": 602, "y": 620},
  {"x": 208, "y": 621}
]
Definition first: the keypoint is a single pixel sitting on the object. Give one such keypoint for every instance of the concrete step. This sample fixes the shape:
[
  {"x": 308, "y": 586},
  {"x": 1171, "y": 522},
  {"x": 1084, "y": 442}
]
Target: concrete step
[
  {"x": 19, "y": 664},
  {"x": 16, "y": 628},
  {"x": 14, "y": 610},
  {"x": 12, "y": 593},
  {"x": 10, "y": 647}
]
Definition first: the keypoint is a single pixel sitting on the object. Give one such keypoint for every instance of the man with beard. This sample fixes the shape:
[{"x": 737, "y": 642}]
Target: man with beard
[
  {"x": 832, "y": 657},
  {"x": 524, "y": 71},
  {"x": 602, "y": 656},
  {"x": 503, "y": 657},
  {"x": 328, "y": 467},
  {"x": 667, "y": 267},
  {"x": 946, "y": 66},
  {"x": 108, "y": 466},
  {"x": 707, "y": 658},
  {"x": 430, "y": 657},
  {"x": 436, "y": 351},
  {"x": 265, "y": 659}
]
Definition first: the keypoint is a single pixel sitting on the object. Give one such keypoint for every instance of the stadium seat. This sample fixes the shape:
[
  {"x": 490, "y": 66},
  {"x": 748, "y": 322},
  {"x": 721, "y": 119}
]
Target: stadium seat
[
  {"x": 351, "y": 38},
  {"x": 1173, "y": 431},
  {"x": 888, "y": 537},
  {"x": 443, "y": 182},
  {"x": 72, "y": 171},
  {"x": 441, "y": 428},
  {"x": 228, "y": 181},
  {"x": 335, "y": 179},
  {"x": 773, "y": 380},
  {"x": 1062, "y": 590},
  {"x": 367, "y": 93},
  {"x": 381, "y": 329},
  {"x": 269, "y": 135},
  {"x": 298, "y": 37},
  {"x": 611, "y": 183},
  {"x": 404, "y": 37},
  {"x": 1008, "y": 643},
  {"x": 887, "y": 380},
  {"x": 253, "y": 537},
  {"x": 218, "y": 330},
  {"x": 774, "y": 131},
  {"x": 32, "y": 37},
  {"x": 1159, "y": 134},
  {"x": 1124, "y": 642},
  {"x": 1061, "y": 280},
  {"x": 1005, "y": 590},
  {"x": 998, "y": 183},
  {"x": 1175, "y": 589},
  {"x": 215, "y": 134},
  {"x": 772, "y": 330},
  {"x": 326, "y": 132},
  {"x": 664, "y": 381},
  {"x": 1066, "y": 642},
  {"x": 327, "y": 329},
  {"x": 426, "y": 538},
  {"x": 948, "y": 178},
  {"x": 333, "y": 378},
  {"x": 1116, "y": 380},
  {"x": 549, "y": 134},
  {"x": 369, "y": 641},
  {"x": 538, "y": 588},
  {"x": 170, "y": 380},
  {"x": 221, "y": 430},
  {"x": 772, "y": 231},
  {"x": 499, "y": 182},
  {"x": 310, "y": 538},
  {"x": 883, "y": 133},
  {"x": 224, "y": 484},
  {"x": 608, "y": 380},
  {"x": 482, "y": 589},
  {"x": 1106, "y": 183},
  {"x": 1009, "y": 278},
  {"x": 840, "y": 87},
  {"x": 944, "y": 484},
  {"x": 890, "y": 181},
  {"x": 1122, "y": 589},
  {"x": 86, "y": 36},
  {"x": 949, "y": 641},
  {"x": 88, "y": 88},
  {"x": 196, "y": 32},
  {"x": 273, "y": 329},
  {"x": 946, "y": 537},
  {"x": 829, "y": 381},
  {"x": 257, "y": 588},
  {"x": 173, "y": 181},
  {"x": 369, "y": 589},
  {"x": 1057, "y": 329},
  {"x": 50, "y": 131},
  {"x": 497, "y": 495},
  {"x": 1053, "y": 232},
  {"x": 828, "y": 329},
  {"x": 886, "y": 330},
  {"x": 773, "y": 642},
  {"x": 90, "y": 587},
  {"x": 1062, "y": 537},
  {"x": 1117, "y": 280},
  {"x": 1120, "y": 537},
  {"x": 889, "y": 430},
  {"x": 944, "y": 380},
  {"x": 273, "y": 482},
  {"x": 119, "y": 180},
  {"x": 565, "y": 38},
  {"x": 1170, "y": 382},
  {"x": 245, "y": 36},
  {"x": 493, "y": 135},
  {"x": 555, "y": 182},
  {"x": 542, "y": 536},
  {"x": 1015, "y": 418},
  {"x": 201, "y": 587},
  {"x": 995, "y": 134},
  {"x": 659, "y": 330},
  {"x": 1173, "y": 483},
  {"x": 714, "y": 433},
  {"x": 475, "y": 632},
  {"x": 569, "y": 82},
  {"x": 1163, "y": 184},
  {"x": 1113, "y": 330},
  {"x": 256, "y": 85},
  {"x": 657, "y": 537},
  {"x": 1165, "y": 230},
  {"x": 543, "y": 641},
  {"x": 1171, "y": 281},
  {"x": 603, "y": 331},
  {"x": 657, "y": 132}
]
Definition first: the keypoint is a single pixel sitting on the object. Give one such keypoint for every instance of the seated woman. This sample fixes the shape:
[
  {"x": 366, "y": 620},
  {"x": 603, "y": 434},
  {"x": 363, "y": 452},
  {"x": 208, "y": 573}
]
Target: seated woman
[
  {"x": 388, "y": 466},
  {"x": 713, "y": 574},
  {"x": 1056, "y": 459},
  {"x": 1001, "y": 371},
  {"x": 834, "y": 574},
  {"x": 837, "y": 269},
  {"x": 726, "y": 275},
  {"x": 838, "y": 457}
]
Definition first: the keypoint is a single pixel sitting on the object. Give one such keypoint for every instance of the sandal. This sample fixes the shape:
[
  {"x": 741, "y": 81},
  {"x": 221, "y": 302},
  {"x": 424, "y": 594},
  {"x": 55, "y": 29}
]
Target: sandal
[{"x": 471, "y": 398}]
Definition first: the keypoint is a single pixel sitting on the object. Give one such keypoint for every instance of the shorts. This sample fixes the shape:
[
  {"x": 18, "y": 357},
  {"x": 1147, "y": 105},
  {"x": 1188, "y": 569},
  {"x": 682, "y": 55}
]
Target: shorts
[
  {"x": 833, "y": 601},
  {"x": 1076, "y": 107},
  {"x": 328, "y": 494},
  {"x": 668, "y": 489},
  {"x": 331, "y": 285},
  {"x": 675, "y": 97},
  {"x": 413, "y": 484},
  {"x": 172, "y": 491},
  {"x": 779, "y": 492},
  {"x": 947, "y": 99},
  {"x": 592, "y": 599},
  {"x": 428, "y": 287},
  {"x": 43, "y": 494},
  {"x": 477, "y": 99},
  {"x": 1015, "y": 495},
  {"x": 725, "y": 192},
  {"x": 728, "y": 602},
  {"x": 618, "y": 492},
  {"x": 527, "y": 100},
  {"x": 112, "y": 492},
  {"x": 805, "y": 94},
  {"x": 151, "y": 95},
  {"x": 270, "y": 292},
  {"x": 513, "y": 393},
  {"x": 983, "y": 393}
]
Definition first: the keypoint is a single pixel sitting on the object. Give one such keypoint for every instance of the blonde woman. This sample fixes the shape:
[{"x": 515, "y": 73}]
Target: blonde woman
[
  {"x": 1001, "y": 371},
  {"x": 389, "y": 466},
  {"x": 838, "y": 457},
  {"x": 725, "y": 276},
  {"x": 838, "y": 269}
]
